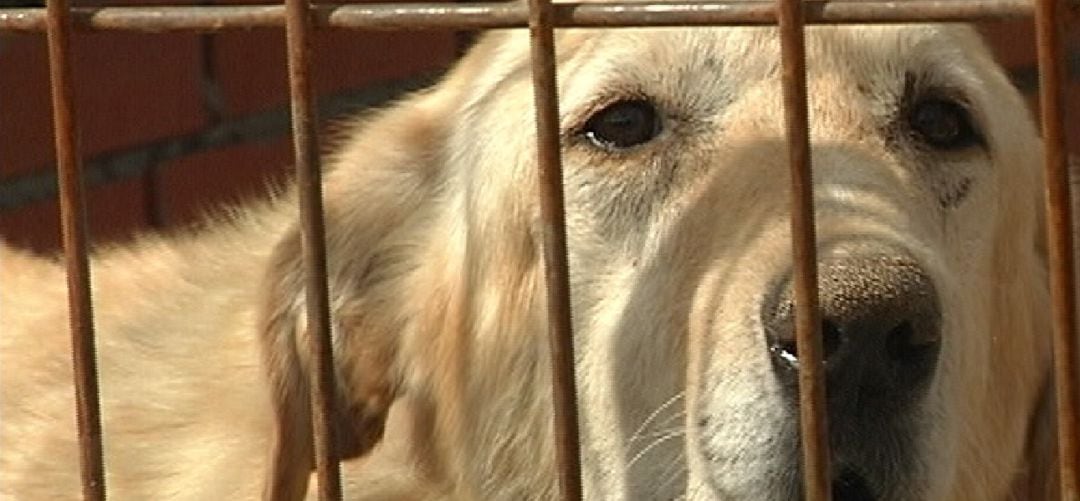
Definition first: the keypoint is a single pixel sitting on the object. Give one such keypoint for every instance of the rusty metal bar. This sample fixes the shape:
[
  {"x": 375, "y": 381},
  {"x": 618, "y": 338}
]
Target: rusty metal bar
[
  {"x": 813, "y": 424},
  {"x": 418, "y": 16},
  {"x": 73, "y": 229},
  {"x": 1048, "y": 28},
  {"x": 313, "y": 233},
  {"x": 556, "y": 266}
]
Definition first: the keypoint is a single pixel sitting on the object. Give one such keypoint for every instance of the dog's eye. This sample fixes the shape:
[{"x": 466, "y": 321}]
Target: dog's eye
[
  {"x": 943, "y": 124},
  {"x": 623, "y": 124}
]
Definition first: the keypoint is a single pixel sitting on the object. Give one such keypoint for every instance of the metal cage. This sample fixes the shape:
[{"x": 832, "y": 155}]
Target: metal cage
[{"x": 299, "y": 18}]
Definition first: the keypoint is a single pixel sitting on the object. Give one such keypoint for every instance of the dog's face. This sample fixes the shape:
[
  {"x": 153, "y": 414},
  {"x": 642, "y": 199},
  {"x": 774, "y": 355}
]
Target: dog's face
[{"x": 677, "y": 187}]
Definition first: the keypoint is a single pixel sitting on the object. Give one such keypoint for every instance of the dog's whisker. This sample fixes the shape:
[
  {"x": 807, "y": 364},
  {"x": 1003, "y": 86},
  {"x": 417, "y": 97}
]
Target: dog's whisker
[
  {"x": 677, "y": 433},
  {"x": 656, "y": 413},
  {"x": 662, "y": 428},
  {"x": 672, "y": 472}
]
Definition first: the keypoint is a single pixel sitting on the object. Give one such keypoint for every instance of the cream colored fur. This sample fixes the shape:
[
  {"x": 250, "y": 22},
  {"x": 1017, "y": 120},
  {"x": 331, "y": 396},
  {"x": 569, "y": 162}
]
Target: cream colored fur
[{"x": 438, "y": 293}]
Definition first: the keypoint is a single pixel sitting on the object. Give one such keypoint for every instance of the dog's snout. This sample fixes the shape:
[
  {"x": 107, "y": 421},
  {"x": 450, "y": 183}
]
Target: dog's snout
[{"x": 880, "y": 327}]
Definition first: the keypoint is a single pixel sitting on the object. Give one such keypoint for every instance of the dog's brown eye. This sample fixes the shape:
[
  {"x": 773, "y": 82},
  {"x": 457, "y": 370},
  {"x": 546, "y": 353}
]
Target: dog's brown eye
[
  {"x": 623, "y": 124},
  {"x": 943, "y": 124}
]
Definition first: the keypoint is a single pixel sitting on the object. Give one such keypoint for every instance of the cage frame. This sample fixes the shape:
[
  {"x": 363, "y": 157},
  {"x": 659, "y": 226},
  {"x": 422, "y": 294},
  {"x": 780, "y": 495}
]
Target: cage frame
[{"x": 299, "y": 18}]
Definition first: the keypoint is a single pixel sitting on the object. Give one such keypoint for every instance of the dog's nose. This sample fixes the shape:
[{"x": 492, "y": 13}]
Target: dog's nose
[{"x": 880, "y": 327}]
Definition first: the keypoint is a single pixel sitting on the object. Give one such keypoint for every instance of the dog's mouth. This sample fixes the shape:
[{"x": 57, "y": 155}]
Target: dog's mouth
[
  {"x": 850, "y": 485},
  {"x": 847, "y": 485}
]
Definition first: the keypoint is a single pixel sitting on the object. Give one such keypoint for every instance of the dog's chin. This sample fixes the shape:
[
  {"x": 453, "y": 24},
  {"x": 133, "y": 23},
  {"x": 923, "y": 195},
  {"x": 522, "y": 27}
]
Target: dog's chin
[
  {"x": 881, "y": 469},
  {"x": 849, "y": 483}
]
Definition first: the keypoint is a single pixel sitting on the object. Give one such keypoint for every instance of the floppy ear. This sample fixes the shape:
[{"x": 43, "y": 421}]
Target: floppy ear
[
  {"x": 374, "y": 194},
  {"x": 1039, "y": 478},
  {"x": 364, "y": 357},
  {"x": 1039, "y": 481}
]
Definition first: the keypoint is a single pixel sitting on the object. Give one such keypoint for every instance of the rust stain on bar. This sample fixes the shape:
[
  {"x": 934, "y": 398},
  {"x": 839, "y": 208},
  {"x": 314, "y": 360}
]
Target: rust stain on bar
[
  {"x": 556, "y": 267},
  {"x": 313, "y": 233},
  {"x": 1048, "y": 16},
  {"x": 416, "y": 16},
  {"x": 813, "y": 425},
  {"x": 73, "y": 228}
]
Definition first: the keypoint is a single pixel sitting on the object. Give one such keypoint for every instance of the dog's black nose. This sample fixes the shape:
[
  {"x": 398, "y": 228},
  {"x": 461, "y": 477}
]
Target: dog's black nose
[{"x": 881, "y": 328}]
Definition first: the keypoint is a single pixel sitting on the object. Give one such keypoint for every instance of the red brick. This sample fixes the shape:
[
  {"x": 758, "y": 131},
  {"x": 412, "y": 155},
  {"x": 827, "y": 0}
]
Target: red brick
[
  {"x": 251, "y": 65},
  {"x": 203, "y": 182}
]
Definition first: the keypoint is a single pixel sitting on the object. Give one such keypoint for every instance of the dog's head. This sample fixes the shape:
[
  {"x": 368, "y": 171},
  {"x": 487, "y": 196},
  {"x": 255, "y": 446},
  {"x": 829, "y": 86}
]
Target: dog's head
[{"x": 932, "y": 290}]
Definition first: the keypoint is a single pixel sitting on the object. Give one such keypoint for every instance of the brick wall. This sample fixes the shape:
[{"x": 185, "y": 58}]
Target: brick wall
[
  {"x": 176, "y": 123},
  {"x": 205, "y": 117}
]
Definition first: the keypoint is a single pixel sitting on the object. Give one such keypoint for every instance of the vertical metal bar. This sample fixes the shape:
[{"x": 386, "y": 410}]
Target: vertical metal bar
[
  {"x": 553, "y": 213},
  {"x": 813, "y": 425},
  {"x": 73, "y": 228},
  {"x": 1048, "y": 16},
  {"x": 313, "y": 232}
]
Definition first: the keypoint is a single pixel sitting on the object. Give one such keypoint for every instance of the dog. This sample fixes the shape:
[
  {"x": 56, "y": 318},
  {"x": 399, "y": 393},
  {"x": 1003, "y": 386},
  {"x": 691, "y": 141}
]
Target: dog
[{"x": 933, "y": 287}]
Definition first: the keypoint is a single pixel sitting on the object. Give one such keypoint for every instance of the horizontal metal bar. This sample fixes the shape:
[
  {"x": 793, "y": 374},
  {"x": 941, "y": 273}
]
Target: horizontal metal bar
[{"x": 417, "y": 16}]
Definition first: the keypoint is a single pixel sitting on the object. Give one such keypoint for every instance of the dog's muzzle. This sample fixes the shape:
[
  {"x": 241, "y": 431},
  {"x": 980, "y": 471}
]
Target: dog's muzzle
[
  {"x": 880, "y": 328},
  {"x": 881, "y": 334}
]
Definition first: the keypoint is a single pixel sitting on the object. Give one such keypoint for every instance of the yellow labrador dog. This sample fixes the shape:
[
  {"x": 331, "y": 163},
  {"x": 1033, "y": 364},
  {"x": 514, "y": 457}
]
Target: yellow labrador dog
[{"x": 933, "y": 291}]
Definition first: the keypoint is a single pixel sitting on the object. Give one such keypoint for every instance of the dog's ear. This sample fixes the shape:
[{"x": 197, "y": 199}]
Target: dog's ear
[
  {"x": 364, "y": 357},
  {"x": 376, "y": 190},
  {"x": 1038, "y": 480}
]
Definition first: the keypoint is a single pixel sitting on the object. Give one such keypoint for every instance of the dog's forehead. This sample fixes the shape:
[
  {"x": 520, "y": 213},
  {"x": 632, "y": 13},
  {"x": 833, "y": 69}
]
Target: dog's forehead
[
  {"x": 584, "y": 50},
  {"x": 754, "y": 51},
  {"x": 705, "y": 68}
]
